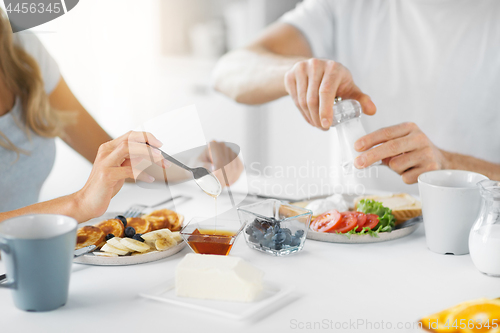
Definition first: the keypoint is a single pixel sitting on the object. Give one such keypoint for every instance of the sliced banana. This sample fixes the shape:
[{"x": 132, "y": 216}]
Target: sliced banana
[
  {"x": 177, "y": 236},
  {"x": 115, "y": 241},
  {"x": 150, "y": 238},
  {"x": 110, "y": 248},
  {"x": 165, "y": 233},
  {"x": 165, "y": 242},
  {"x": 135, "y": 245},
  {"x": 105, "y": 254}
]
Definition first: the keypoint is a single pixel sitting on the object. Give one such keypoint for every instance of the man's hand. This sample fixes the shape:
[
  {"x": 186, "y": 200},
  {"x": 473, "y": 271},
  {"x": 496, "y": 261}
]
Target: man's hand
[
  {"x": 313, "y": 85},
  {"x": 404, "y": 148}
]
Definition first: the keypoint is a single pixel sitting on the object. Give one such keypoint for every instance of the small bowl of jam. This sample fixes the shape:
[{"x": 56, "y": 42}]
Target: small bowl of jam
[{"x": 211, "y": 236}]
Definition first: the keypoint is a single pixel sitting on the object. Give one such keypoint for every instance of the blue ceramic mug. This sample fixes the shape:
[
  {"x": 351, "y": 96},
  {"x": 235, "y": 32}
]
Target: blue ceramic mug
[{"x": 38, "y": 254}]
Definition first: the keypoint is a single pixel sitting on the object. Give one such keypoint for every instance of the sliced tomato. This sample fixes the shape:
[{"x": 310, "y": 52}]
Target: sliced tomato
[
  {"x": 361, "y": 220},
  {"x": 325, "y": 222},
  {"x": 371, "y": 221},
  {"x": 348, "y": 221}
]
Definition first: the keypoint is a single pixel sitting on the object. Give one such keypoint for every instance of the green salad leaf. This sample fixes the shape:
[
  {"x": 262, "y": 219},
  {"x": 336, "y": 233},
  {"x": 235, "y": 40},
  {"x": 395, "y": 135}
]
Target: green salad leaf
[
  {"x": 364, "y": 231},
  {"x": 386, "y": 219}
]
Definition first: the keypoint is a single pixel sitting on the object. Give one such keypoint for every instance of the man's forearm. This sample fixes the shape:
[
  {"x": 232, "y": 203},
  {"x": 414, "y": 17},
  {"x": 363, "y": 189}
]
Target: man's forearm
[
  {"x": 464, "y": 162},
  {"x": 253, "y": 75}
]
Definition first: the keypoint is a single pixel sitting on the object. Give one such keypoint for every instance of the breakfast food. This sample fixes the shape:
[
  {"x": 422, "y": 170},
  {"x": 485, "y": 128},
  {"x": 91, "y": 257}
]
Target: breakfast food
[
  {"x": 322, "y": 206},
  {"x": 371, "y": 218},
  {"x": 122, "y": 236},
  {"x": 210, "y": 241},
  {"x": 165, "y": 218},
  {"x": 217, "y": 277},
  {"x": 114, "y": 227},
  {"x": 269, "y": 234},
  {"x": 107, "y": 248},
  {"x": 482, "y": 315},
  {"x": 158, "y": 240},
  {"x": 403, "y": 205},
  {"x": 89, "y": 235},
  {"x": 140, "y": 225}
]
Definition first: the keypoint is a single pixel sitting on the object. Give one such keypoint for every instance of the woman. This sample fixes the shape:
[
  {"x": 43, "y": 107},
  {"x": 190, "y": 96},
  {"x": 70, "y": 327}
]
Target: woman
[{"x": 36, "y": 105}]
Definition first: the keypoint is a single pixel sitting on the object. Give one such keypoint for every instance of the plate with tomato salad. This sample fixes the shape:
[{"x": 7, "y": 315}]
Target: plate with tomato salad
[{"x": 370, "y": 224}]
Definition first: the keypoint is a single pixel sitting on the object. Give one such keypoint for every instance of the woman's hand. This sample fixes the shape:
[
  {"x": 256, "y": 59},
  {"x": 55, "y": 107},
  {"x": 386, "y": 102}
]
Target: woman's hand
[
  {"x": 218, "y": 157},
  {"x": 313, "y": 85},
  {"x": 404, "y": 148},
  {"x": 116, "y": 161}
]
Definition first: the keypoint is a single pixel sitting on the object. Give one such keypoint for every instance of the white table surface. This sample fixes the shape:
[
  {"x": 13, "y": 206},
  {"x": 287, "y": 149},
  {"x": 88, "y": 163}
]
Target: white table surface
[{"x": 392, "y": 283}]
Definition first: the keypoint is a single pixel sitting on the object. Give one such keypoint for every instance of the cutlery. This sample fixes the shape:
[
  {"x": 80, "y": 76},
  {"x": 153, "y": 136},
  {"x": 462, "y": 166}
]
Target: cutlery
[
  {"x": 83, "y": 250},
  {"x": 137, "y": 210},
  {"x": 203, "y": 178},
  {"x": 77, "y": 253}
]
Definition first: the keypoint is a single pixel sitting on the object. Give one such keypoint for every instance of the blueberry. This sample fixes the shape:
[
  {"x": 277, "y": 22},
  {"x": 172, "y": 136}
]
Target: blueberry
[
  {"x": 138, "y": 237},
  {"x": 258, "y": 234},
  {"x": 295, "y": 241},
  {"x": 299, "y": 233},
  {"x": 252, "y": 239},
  {"x": 129, "y": 232},
  {"x": 267, "y": 244},
  {"x": 276, "y": 246},
  {"x": 109, "y": 236},
  {"x": 270, "y": 231},
  {"x": 122, "y": 218},
  {"x": 249, "y": 230},
  {"x": 288, "y": 239},
  {"x": 279, "y": 237},
  {"x": 268, "y": 236}
]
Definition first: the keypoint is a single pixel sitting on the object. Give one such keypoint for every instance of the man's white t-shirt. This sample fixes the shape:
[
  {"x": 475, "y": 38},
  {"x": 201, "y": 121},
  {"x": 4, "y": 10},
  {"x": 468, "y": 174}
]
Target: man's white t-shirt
[{"x": 432, "y": 62}]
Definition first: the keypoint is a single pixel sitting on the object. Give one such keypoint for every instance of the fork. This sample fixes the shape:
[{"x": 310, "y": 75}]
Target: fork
[{"x": 136, "y": 210}]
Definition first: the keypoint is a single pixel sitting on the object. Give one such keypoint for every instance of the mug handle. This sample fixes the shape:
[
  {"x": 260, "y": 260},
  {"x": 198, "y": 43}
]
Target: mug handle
[{"x": 7, "y": 284}]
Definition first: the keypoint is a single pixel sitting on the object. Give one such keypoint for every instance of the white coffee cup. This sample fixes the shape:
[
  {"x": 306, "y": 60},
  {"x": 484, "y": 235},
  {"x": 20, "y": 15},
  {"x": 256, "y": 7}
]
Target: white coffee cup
[{"x": 450, "y": 205}]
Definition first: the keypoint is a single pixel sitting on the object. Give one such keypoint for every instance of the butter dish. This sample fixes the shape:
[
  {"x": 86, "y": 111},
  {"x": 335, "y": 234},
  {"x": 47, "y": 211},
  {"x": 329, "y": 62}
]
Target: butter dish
[{"x": 271, "y": 295}]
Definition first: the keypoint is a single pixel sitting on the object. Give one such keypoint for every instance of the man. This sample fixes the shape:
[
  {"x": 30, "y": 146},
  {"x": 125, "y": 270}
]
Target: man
[{"x": 432, "y": 69}]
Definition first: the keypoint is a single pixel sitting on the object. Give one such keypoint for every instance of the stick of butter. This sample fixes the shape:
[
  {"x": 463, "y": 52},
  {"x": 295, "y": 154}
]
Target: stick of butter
[{"x": 217, "y": 277}]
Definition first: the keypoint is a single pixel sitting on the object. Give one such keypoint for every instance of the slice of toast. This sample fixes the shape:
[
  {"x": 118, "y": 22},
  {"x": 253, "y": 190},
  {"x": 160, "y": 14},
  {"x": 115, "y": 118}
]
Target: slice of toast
[
  {"x": 113, "y": 226},
  {"x": 140, "y": 225},
  {"x": 89, "y": 235},
  {"x": 403, "y": 205}
]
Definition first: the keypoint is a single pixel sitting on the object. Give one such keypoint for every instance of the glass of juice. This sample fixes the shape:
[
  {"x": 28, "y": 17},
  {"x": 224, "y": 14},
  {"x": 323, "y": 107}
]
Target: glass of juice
[{"x": 210, "y": 235}]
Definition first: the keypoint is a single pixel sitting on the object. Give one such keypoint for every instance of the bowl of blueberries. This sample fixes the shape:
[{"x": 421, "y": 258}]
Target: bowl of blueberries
[{"x": 275, "y": 227}]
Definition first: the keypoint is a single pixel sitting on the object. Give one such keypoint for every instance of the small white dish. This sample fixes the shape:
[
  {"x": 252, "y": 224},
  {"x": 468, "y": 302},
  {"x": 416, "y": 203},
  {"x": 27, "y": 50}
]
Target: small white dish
[{"x": 271, "y": 295}]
